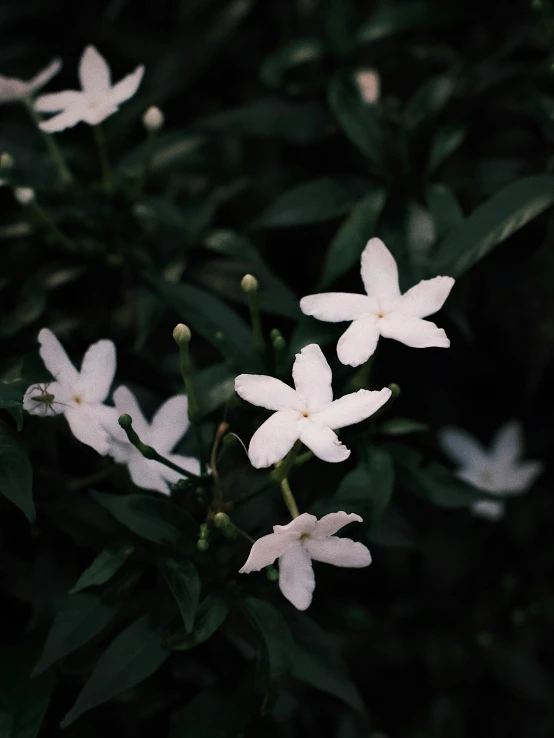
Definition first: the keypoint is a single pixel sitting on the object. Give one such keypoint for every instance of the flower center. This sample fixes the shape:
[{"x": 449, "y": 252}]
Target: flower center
[
  {"x": 486, "y": 477},
  {"x": 78, "y": 399},
  {"x": 305, "y": 414},
  {"x": 304, "y": 537}
]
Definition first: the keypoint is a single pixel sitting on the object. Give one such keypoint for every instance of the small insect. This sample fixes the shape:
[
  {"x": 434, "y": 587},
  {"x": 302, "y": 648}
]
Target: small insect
[{"x": 44, "y": 400}]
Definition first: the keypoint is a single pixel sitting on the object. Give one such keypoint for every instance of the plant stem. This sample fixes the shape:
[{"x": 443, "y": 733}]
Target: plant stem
[
  {"x": 146, "y": 162},
  {"x": 288, "y": 497},
  {"x": 53, "y": 148},
  {"x": 67, "y": 243},
  {"x": 218, "y": 490},
  {"x": 193, "y": 406},
  {"x": 361, "y": 379},
  {"x": 100, "y": 141},
  {"x": 79, "y": 484},
  {"x": 282, "y": 468}
]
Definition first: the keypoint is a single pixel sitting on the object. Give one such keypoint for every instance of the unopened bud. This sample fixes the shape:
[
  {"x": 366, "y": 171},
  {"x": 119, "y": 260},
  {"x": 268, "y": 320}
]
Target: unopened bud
[
  {"x": 125, "y": 421},
  {"x": 395, "y": 389},
  {"x": 24, "y": 195},
  {"x": 249, "y": 283},
  {"x": 221, "y": 520},
  {"x": 6, "y": 161},
  {"x": 271, "y": 573},
  {"x": 153, "y": 119},
  {"x": 181, "y": 333},
  {"x": 279, "y": 343},
  {"x": 202, "y": 545},
  {"x": 368, "y": 84}
]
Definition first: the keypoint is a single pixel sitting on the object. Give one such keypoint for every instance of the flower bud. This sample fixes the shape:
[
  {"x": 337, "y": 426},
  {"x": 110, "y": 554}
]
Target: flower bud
[
  {"x": 249, "y": 283},
  {"x": 271, "y": 573},
  {"x": 153, "y": 119},
  {"x": 181, "y": 334},
  {"x": 221, "y": 520},
  {"x": 368, "y": 83},
  {"x": 24, "y": 195},
  {"x": 6, "y": 161},
  {"x": 125, "y": 421},
  {"x": 202, "y": 545}
]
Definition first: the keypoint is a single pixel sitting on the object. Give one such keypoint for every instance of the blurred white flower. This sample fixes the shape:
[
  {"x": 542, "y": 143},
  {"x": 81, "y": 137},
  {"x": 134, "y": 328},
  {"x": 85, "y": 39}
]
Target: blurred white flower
[
  {"x": 16, "y": 90},
  {"x": 153, "y": 119},
  {"x": 296, "y": 545},
  {"x": 498, "y": 471},
  {"x": 78, "y": 395},
  {"x": 307, "y": 413},
  {"x": 95, "y": 102},
  {"x": 24, "y": 195},
  {"x": 168, "y": 426},
  {"x": 383, "y": 311},
  {"x": 369, "y": 84}
]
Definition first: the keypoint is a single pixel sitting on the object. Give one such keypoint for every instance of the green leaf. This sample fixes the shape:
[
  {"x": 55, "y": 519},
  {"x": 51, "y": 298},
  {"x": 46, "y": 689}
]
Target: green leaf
[
  {"x": 206, "y": 314},
  {"x": 168, "y": 149},
  {"x": 12, "y": 401},
  {"x": 392, "y": 531},
  {"x": 105, "y": 565},
  {"x": 275, "y": 658},
  {"x": 380, "y": 472},
  {"x": 292, "y": 54},
  {"x": 149, "y": 517},
  {"x": 311, "y": 202},
  {"x": 218, "y": 711},
  {"x": 346, "y": 248},
  {"x": 82, "y": 616},
  {"x": 493, "y": 222},
  {"x": 401, "y": 427},
  {"x": 23, "y": 701},
  {"x": 444, "y": 208},
  {"x": 214, "y": 386},
  {"x": 184, "y": 583},
  {"x": 16, "y": 474},
  {"x": 428, "y": 101},
  {"x": 210, "y": 616},
  {"x": 445, "y": 143},
  {"x": 359, "y": 121},
  {"x": 134, "y": 655},
  {"x": 410, "y": 15}
]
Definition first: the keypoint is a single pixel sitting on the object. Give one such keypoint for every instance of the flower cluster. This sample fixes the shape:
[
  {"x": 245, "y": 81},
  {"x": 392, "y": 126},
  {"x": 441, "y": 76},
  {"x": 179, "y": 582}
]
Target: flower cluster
[{"x": 80, "y": 397}]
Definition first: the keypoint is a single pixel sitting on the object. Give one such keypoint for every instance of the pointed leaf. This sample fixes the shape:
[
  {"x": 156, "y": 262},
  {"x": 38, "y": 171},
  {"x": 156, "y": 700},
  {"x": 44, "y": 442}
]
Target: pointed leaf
[
  {"x": 16, "y": 474},
  {"x": 209, "y": 617},
  {"x": 12, "y": 401},
  {"x": 184, "y": 583},
  {"x": 275, "y": 658},
  {"x": 105, "y": 565}
]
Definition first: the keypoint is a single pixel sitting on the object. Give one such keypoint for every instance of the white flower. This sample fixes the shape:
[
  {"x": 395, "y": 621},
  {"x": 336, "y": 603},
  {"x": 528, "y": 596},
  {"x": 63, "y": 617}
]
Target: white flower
[
  {"x": 369, "y": 84},
  {"x": 14, "y": 90},
  {"x": 24, "y": 195},
  {"x": 168, "y": 426},
  {"x": 295, "y": 545},
  {"x": 153, "y": 119},
  {"x": 383, "y": 311},
  {"x": 498, "y": 471},
  {"x": 95, "y": 102},
  {"x": 77, "y": 395},
  {"x": 307, "y": 413}
]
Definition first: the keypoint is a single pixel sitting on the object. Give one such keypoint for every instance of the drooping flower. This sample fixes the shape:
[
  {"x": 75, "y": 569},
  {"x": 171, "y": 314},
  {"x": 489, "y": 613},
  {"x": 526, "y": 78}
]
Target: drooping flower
[
  {"x": 97, "y": 100},
  {"x": 77, "y": 395},
  {"x": 16, "y": 90},
  {"x": 307, "y": 413},
  {"x": 384, "y": 311},
  {"x": 498, "y": 471},
  {"x": 296, "y": 545},
  {"x": 168, "y": 426}
]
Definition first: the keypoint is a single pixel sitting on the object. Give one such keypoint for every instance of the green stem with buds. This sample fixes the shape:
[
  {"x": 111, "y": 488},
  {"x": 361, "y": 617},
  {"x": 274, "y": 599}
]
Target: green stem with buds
[
  {"x": 100, "y": 141},
  {"x": 126, "y": 422},
  {"x": 53, "y": 148}
]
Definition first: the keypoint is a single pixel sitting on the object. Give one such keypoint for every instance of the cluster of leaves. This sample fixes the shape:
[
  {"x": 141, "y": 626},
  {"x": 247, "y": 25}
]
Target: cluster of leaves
[{"x": 271, "y": 163}]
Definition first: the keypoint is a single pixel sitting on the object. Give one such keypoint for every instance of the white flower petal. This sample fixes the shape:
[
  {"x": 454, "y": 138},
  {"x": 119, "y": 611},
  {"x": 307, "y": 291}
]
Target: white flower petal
[
  {"x": 98, "y": 370},
  {"x": 296, "y": 576},
  {"x": 489, "y": 509},
  {"x": 126, "y": 404},
  {"x": 170, "y": 423},
  {"x": 147, "y": 474},
  {"x": 267, "y": 392},
  {"x": 56, "y": 101},
  {"x": 353, "y": 408},
  {"x": 43, "y": 77},
  {"x": 126, "y": 87},
  {"x": 425, "y": 298},
  {"x": 379, "y": 272},
  {"x": 461, "y": 447},
  {"x": 333, "y": 522},
  {"x": 95, "y": 115},
  {"x": 520, "y": 477},
  {"x": 312, "y": 377},
  {"x": 322, "y": 441},
  {"x": 335, "y": 307},
  {"x": 507, "y": 445},
  {"x": 35, "y": 399},
  {"x": 189, "y": 463},
  {"x": 94, "y": 73},
  {"x": 304, "y": 523},
  {"x": 338, "y": 552},
  {"x": 413, "y": 332},
  {"x": 86, "y": 425},
  {"x": 274, "y": 439},
  {"x": 121, "y": 451},
  {"x": 358, "y": 342},
  {"x": 12, "y": 89},
  {"x": 55, "y": 359},
  {"x": 266, "y": 549},
  {"x": 67, "y": 119}
]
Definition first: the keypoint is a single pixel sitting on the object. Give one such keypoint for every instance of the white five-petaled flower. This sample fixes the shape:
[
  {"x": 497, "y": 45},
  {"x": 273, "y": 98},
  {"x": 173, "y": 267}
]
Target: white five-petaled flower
[
  {"x": 307, "y": 413},
  {"x": 295, "y": 545},
  {"x": 77, "y": 395},
  {"x": 384, "y": 311},
  {"x": 95, "y": 102},
  {"x": 498, "y": 471},
  {"x": 16, "y": 90},
  {"x": 168, "y": 426}
]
